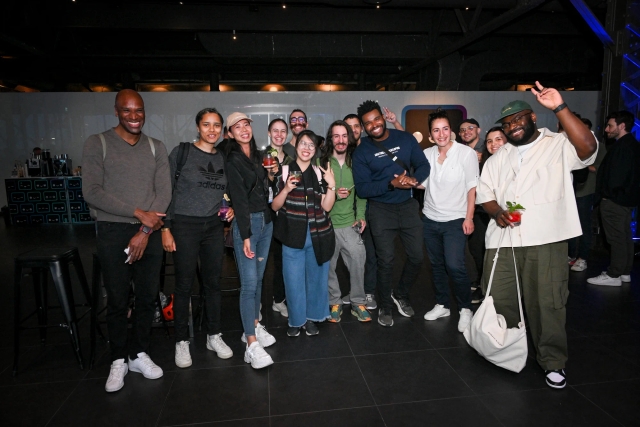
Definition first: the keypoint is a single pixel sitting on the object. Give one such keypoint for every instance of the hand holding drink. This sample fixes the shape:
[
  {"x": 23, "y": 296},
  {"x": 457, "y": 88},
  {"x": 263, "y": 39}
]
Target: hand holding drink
[
  {"x": 515, "y": 211},
  {"x": 224, "y": 208},
  {"x": 268, "y": 159}
]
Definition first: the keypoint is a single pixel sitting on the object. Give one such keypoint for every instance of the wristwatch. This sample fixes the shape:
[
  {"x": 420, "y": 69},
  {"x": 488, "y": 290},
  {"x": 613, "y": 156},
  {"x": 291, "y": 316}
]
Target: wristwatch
[
  {"x": 146, "y": 230},
  {"x": 560, "y": 107},
  {"x": 332, "y": 188}
]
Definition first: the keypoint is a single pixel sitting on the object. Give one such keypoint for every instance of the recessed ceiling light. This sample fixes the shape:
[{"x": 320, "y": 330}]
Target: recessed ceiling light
[{"x": 376, "y": 3}]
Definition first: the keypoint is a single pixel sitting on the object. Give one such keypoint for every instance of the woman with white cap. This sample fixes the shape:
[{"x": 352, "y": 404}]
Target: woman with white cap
[{"x": 252, "y": 230}]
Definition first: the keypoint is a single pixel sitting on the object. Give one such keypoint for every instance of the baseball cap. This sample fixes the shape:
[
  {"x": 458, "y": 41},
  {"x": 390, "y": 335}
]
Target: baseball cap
[
  {"x": 236, "y": 117},
  {"x": 512, "y": 108},
  {"x": 471, "y": 121}
]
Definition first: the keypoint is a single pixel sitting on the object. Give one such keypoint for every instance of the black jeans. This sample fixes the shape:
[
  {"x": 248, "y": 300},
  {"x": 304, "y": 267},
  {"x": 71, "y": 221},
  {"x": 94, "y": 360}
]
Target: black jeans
[
  {"x": 616, "y": 221},
  {"x": 203, "y": 237},
  {"x": 278, "y": 279},
  {"x": 476, "y": 240},
  {"x": 580, "y": 246},
  {"x": 112, "y": 239},
  {"x": 388, "y": 221},
  {"x": 370, "y": 265}
]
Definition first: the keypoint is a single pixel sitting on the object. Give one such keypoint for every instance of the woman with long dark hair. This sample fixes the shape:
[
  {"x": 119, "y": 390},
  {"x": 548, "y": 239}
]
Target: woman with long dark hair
[
  {"x": 194, "y": 228},
  {"x": 252, "y": 229},
  {"x": 303, "y": 200}
]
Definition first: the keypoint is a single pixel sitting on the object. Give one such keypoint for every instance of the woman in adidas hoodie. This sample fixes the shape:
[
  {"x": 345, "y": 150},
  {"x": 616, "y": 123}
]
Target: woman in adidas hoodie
[{"x": 194, "y": 228}]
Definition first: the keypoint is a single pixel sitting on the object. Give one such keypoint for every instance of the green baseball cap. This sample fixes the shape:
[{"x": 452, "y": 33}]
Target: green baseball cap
[{"x": 512, "y": 108}]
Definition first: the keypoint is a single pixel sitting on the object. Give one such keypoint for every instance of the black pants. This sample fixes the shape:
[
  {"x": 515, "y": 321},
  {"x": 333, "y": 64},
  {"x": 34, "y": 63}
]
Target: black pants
[
  {"x": 388, "y": 221},
  {"x": 112, "y": 239},
  {"x": 204, "y": 238},
  {"x": 278, "y": 279},
  {"x": 370, "y": 265},
  {"x": 616, "y": 221},
  {"x": 476, "y": 240}
]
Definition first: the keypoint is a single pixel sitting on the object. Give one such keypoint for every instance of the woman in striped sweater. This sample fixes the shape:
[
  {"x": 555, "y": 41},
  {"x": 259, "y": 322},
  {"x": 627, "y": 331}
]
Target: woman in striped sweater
[{"x": 303, "y": 201}]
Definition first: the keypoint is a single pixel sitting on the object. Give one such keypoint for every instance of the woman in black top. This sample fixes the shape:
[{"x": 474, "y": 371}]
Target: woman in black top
[
  {"x": 252, "y": 229},
  {"x": 194, "y": 228}
]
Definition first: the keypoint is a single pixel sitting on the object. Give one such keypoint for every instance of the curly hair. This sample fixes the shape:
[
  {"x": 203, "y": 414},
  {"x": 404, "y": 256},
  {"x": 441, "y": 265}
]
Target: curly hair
[{"x": 366, "y": 107}]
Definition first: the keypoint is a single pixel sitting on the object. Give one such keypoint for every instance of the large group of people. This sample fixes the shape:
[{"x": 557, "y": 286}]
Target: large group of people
[{"x": 307, "y": 202}]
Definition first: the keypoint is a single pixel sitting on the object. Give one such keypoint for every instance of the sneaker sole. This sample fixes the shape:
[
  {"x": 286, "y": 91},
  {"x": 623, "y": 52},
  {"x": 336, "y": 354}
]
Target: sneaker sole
[
  {"x": 436, "y": 318},
  {"x": 334, "y": 320},
  {"x": 360, "y": 319},
  {"x": 312, "y": 334},
  {"x": 400, "y": 310},
  {"x": 384, "y": 324},
  {"x": 220, "y": 355},
  {"x": 186, "y": 365},
  {"x": 577, "y": 269},
  {"x": 292, "y": 336},
  {"x": 557, "y": 387},
  {"x": 372, "y": 307},
  {"x": 606, "y": 284},
  {"x": 625, "y": 281},
  {"x": 277, "y": 310},
  {"x": 132, "y": 369},
  {"x": 258, "y": 366}
]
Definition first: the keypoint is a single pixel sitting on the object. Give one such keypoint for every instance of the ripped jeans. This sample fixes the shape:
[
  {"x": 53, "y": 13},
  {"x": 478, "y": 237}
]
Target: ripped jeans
[{"x": 252, "y": 270}]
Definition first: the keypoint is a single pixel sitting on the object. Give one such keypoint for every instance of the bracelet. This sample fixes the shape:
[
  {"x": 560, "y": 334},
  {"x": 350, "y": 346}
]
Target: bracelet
[
  {"x": 468, "y": 219},
  {"x": 165, "y": 229},
  {"x": 560, "y": 107}
]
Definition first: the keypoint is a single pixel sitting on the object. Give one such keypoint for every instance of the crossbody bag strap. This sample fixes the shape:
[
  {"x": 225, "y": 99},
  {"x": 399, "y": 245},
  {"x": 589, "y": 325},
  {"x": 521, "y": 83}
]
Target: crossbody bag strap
[
  {"x": 153, "y": 147},
  {"x": 390, "y": 154},
  {"x": 493, "y": 269}
]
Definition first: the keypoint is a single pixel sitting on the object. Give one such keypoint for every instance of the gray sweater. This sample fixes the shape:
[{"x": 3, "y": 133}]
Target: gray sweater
[
  {"x": 129, "y": 177},
  {"x": 202, "y": 183}
]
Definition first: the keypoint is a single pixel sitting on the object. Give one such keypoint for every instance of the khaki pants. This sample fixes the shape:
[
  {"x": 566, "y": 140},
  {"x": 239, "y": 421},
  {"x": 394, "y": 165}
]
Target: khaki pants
[{"x": 544, "y": 280}]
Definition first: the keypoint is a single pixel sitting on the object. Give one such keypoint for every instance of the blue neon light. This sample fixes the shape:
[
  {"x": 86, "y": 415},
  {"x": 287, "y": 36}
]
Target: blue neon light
[
  {"x": 628, "y": 58},
  {"x": 592, "y": 22},
  {"x": 630, "y": 89},
  {"x": 634, "y": 31}
]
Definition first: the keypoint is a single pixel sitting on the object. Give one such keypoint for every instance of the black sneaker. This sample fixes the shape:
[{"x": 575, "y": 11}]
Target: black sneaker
[
  {"x": 556, "y": 378},
  {"x": 293, "y": 332},
  {"x": 476, "y": 296},
  {"x": 311, "y": 328},
  {"x": 385, "y": 318},
  {"x": 403, "y": 306}
]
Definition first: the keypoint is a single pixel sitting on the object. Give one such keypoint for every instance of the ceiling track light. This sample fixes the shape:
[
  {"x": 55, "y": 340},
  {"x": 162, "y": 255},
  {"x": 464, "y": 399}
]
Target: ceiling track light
[
  {"x": 234, "y": 34},
  {"x": 284, "y": 6},
  {"x": 376, "y": 3}
]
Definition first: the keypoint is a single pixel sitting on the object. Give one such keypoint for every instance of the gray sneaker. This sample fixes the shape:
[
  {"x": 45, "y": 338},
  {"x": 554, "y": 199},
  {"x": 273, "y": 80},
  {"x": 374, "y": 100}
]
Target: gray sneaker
[
  {"x": 370, "y": 302},
  {"x": 403, "y": 306},
  {"x": 385, "y": 318}
]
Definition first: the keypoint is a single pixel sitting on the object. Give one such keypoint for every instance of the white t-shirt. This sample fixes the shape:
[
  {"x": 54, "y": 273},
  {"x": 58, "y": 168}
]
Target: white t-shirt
[{"x": 446, "y": 188}]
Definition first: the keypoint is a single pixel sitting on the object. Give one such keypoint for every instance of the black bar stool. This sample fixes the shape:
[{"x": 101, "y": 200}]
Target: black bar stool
[{"x": 55, "y": 260}]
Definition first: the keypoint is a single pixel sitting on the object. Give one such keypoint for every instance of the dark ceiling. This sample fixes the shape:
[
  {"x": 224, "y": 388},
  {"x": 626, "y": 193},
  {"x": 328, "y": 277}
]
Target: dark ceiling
[{"x": 71, "y": 45}]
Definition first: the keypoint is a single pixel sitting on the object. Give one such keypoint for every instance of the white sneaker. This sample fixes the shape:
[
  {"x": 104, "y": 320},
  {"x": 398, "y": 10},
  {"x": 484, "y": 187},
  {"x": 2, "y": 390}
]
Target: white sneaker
[
  {"x": 145, "y": 366},
  {"x": 256, "y": 355},
  {"x": 264, "y": 338},
  {"x": 116, "y": 376},
  {"x": 605, "y": 280},
  {"x": 183, "y": 356},
  {"x": 280, "y": 307},
  {"x": 260, "y": 314},
  {"x": 579, "y": 265},
  {"x": 626, "y": 278},
  {"x": 215, "y": 343},
  {"x": 437, "y": 312},
  {"x": 465, "y": 319}
]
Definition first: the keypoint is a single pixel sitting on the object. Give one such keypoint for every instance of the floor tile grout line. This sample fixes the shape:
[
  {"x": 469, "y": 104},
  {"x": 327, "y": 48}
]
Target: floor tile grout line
[
  {"x": 164, "y": 404},
  {"x": 62, "y": 403},
  {"x": 631, "y": 360},
  {"x": 363, "y": 377},
  {"x": 596, "y": 405}
]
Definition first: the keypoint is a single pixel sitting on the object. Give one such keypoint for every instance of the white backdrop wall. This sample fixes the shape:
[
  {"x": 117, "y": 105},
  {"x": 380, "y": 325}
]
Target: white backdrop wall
[{"x": 62, "y": 121}]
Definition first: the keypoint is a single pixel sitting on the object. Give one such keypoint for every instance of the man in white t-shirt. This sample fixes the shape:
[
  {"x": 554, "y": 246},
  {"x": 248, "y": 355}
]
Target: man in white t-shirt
[{"x": 534, "y": 170}]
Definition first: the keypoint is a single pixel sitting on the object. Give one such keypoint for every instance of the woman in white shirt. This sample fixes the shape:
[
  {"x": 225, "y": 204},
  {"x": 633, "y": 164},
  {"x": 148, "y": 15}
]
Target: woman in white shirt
[{"x": 449, "y": 201}]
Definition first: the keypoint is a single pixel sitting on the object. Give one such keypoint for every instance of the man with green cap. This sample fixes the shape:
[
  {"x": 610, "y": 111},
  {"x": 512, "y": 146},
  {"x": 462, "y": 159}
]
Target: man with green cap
[{"x": 534, "y": 170}]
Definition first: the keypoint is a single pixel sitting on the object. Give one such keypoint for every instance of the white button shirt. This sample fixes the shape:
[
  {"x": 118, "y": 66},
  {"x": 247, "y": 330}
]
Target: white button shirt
[
  {"x": 446, "y": 188},
  {"x": 541, "y": 183}
]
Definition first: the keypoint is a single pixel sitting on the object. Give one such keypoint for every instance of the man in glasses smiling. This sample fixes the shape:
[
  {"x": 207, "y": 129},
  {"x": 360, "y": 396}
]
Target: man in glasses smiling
[
  {"x": 470, "y": 135},
  {"x": 297, "y": 123},
  {"x": 534, "y": 170}
]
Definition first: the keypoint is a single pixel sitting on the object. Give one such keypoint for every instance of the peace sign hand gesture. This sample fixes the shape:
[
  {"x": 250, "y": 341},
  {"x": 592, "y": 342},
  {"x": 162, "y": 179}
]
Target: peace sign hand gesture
[
  {"x": 328, "y": 175},
  {"x": 547, "y": 97}
]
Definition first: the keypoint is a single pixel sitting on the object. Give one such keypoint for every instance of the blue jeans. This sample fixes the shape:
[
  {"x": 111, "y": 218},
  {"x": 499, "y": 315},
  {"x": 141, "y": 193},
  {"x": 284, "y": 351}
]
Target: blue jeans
[
  {"x": 252, "y": 270},
  {"x": 445, "y": 242},
  {"x": 306, "y": 284}
]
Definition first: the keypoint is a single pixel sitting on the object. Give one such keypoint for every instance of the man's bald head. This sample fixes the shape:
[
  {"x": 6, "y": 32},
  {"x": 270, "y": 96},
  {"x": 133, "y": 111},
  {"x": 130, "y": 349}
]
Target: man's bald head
[{"x": 130, "y": 113}]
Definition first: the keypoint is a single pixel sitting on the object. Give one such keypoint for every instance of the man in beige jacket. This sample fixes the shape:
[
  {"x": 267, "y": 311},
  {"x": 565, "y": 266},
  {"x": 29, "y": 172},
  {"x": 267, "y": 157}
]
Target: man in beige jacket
[{"x": 534, "y": 170}]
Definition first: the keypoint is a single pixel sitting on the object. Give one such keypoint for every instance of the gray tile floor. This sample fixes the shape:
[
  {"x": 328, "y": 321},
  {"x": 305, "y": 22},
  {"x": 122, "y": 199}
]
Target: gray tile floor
[{"x": 414, "y": 374}]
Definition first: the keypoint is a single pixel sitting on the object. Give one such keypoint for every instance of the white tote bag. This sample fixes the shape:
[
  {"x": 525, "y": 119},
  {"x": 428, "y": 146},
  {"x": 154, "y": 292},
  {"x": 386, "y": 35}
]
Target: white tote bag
[{"x": 488, "y": 334}]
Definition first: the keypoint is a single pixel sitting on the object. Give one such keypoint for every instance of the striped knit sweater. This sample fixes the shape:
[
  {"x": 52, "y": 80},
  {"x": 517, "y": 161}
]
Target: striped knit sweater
[{"x": 303, "y": 209}]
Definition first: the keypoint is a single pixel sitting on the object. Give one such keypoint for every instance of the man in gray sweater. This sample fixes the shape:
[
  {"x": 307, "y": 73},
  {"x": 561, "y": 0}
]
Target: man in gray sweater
[{"x": 126, "y": 180}]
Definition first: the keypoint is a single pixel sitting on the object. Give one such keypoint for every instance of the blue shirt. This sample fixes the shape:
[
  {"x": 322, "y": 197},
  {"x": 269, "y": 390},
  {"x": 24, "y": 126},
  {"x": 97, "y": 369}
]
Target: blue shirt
[{"x": 373, "y": 170}]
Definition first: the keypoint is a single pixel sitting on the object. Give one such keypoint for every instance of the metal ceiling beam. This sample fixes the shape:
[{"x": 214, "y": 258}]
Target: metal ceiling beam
[{"x": 523, "y": 7}]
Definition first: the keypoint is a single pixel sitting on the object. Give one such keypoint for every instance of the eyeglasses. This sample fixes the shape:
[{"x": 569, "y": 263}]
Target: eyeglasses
[
  {"x": 309, "y": 145},
  {"x": 297, "y": 120},
  {"x": 516, "y": 120},
  {"x": 468, "y": 128}
]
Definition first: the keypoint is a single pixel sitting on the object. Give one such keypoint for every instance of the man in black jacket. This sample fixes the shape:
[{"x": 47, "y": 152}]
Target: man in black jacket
[{"x": 618, "y": 189}]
